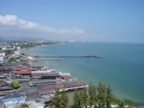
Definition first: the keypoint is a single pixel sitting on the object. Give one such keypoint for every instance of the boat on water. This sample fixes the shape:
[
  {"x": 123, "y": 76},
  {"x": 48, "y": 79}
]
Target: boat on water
[{"x": 98, "y": 56}]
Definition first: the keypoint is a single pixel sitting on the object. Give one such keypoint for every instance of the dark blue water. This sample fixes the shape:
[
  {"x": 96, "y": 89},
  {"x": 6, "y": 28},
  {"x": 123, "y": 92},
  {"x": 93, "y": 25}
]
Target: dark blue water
[{"x": 121, "y": 65}]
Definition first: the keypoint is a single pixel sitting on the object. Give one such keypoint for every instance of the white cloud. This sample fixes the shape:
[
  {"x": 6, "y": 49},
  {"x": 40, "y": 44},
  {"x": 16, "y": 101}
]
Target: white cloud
[{"x": 11, "y": 21}]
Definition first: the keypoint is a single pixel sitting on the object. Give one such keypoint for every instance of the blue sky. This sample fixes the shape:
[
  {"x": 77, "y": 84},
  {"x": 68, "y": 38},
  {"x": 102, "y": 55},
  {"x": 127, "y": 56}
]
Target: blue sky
[{"x": 86, "y": 20}]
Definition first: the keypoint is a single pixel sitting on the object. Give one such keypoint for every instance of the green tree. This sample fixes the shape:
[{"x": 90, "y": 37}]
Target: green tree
[
  {"x": 116, "y": 101},
  {"x": 101, "y": 94},
  {"x": 72, "y": 106},
  {"x": 84, "y": 97},
  {"x": 24, "y": 105},
  {"x": 109, "y": 96},
  {"x": 22, "y": 54},
  {"x": 121, "y": 104},
  {"x": 92, "y": 94},
  {"x": 64, "y": 100},
  {"x": 8, "y": 52},
  {"x": 60, "y": 100},
  {"x": 128, "y": 102},
  {"x": 77, "y": 99},
  {"x": 55, "y": 100},
  {"x": 15, "y": 84}
]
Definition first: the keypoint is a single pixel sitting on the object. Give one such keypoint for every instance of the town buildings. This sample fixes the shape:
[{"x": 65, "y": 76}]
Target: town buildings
[{"x": 38, "y": 84}]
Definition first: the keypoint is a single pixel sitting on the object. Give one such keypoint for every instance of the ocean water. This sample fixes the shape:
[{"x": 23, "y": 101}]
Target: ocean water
[{"x": 121, "y": 65}]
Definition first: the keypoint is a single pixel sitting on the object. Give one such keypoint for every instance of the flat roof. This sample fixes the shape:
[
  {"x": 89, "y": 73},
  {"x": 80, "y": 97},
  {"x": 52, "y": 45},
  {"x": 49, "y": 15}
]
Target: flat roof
[
  {"x": 25, "y": 68},
  {"x": 12, "y": 96},
  {"x": 42, "y": 80},
  {"x": 22, "y": 72}
]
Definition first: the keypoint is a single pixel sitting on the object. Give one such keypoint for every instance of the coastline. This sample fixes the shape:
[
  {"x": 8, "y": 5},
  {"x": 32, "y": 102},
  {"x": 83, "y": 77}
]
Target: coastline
[{"x": 61, "y": 67}]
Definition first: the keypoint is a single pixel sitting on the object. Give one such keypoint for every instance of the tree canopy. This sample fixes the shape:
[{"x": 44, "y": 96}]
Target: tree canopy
[
  {"x": 15, "y": 84},
  {"x": 100, "y": 96},
  {"x": 23, "y": 105},
  {"x": 60, "y": 100}
]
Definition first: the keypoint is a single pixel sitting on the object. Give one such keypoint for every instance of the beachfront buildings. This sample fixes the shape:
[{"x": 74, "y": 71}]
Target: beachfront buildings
[{"x": 42, "y": 74}]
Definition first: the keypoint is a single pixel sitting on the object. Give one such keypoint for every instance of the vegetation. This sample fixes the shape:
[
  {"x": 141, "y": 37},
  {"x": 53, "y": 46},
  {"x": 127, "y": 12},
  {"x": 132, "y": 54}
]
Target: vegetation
[
  {"x": 109, "y": 96},
  {"x": 15, "y": 84},
  {"x": 34, "y": 44},
  {"x": 9, "y": 52},
  {"x": 100, "y": 96},
  {"x": 24, "y": 105},
  {"x": 14, "y": 59},
  {"x": 60, "y": 100},
  {"x": 92, "y": 95}
]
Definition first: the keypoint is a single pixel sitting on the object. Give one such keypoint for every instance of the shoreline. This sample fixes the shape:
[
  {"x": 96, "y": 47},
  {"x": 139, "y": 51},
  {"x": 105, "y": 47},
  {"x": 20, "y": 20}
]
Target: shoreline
[{"x": 132, "y": 99}]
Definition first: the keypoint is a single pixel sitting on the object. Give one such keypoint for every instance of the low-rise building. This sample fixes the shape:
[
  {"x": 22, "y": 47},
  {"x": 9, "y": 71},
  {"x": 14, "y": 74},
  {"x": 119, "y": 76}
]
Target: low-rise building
[
  {"x": 34, "y": 104},
  {"x": 38, "y": 83},
  {"x": 12, "y": 100},
  {"x": 1, "y": 59},
  {"x": 18, "y": 48},
  {"x": 2, "y": 54}
]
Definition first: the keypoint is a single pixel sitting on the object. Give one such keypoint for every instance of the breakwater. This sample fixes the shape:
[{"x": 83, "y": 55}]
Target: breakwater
[{"x": 82, "y": 56}]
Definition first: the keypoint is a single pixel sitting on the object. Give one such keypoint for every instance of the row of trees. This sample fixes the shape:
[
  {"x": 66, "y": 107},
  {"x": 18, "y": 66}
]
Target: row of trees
[
  {"x": 95, "y": 96},
  {"x": 100, "y": 96}
]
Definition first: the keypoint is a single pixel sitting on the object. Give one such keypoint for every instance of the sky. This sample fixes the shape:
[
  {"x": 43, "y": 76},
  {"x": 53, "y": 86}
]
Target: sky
[{"x": 73, "y": 20}]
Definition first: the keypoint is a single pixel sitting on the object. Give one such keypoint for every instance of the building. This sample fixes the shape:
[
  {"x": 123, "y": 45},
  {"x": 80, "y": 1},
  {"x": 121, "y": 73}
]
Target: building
[
  {"x": 12, "y": 100},
  {"x": 42, "y": 74},
  {"x": 34, "y": 104},
  {"x": 4, "y": 48},
  {"x": 66, "y": 86},
  {"x": 18, "y": 48},
  {"x": 3, "y": 83},
  {"x": 2, "y": 54},
  {"x": 37, "y": 83},
  {"x": 17, "y": 52},
  {"x": 6, "y": 88},
  {"x": 24, "y": 70},
  {"x": 1, "y": 59}
]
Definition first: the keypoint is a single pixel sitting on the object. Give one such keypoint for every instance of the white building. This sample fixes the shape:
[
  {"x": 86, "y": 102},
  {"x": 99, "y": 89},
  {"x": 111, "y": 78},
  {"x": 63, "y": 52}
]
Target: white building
[
  {"x": 2, "y": 54},
  {"x": 13, "y": 100},
  {"x": 18, "y": 48},
  {"x": 17, "y": 52},
  {"x": 1, "y": 59},
  {"x": 34, "y": 104},
  {"x": 4, "y": 48}
]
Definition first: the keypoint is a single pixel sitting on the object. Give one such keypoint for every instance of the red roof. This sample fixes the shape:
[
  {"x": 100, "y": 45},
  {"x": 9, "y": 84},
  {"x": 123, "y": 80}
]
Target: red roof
[
  {"x": 52, "y": 87},
  {"x": 1, "y": 81},
  {"x": 25, "y": 69},
  {"x": 23, "y": 72},
  {"x": 76, "y": 84}
]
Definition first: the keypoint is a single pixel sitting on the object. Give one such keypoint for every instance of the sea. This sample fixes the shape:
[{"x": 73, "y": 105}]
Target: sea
[{"x": 121, "y": 65}]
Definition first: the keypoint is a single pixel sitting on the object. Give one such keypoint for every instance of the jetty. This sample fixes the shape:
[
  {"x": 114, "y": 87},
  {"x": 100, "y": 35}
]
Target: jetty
[{"x": 67, "y": 56}]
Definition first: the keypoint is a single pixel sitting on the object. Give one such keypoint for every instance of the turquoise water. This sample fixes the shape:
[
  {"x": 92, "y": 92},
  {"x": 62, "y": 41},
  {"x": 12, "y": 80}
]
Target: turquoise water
[{"x": 121, "y": 65}]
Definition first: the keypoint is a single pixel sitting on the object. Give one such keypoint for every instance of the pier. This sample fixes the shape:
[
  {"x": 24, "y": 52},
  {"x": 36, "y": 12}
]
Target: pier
[{"x": 82, "y": 56}]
